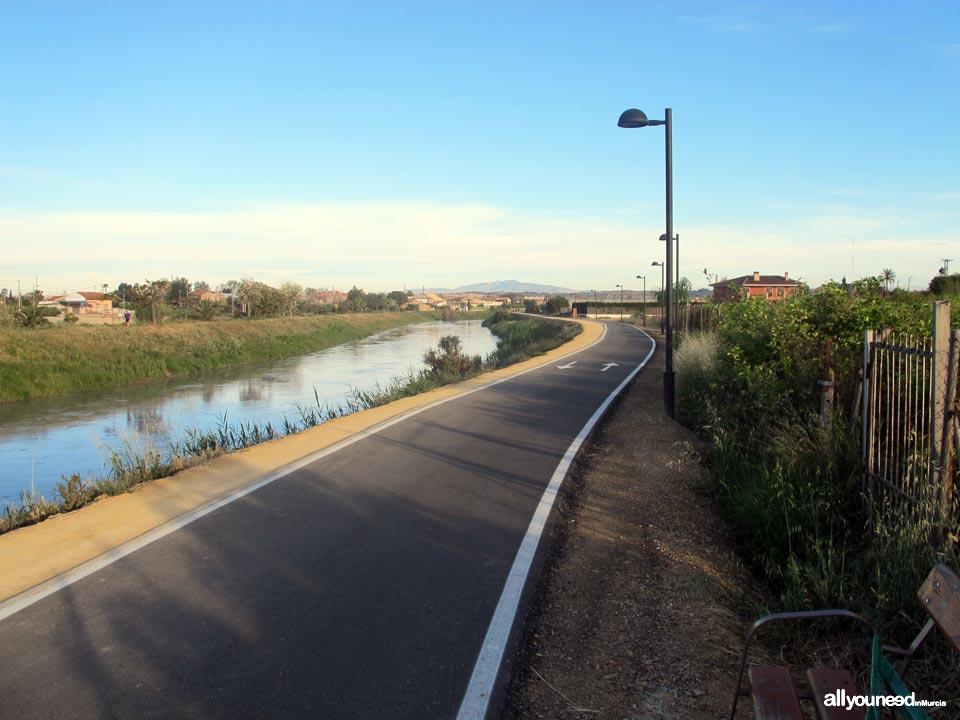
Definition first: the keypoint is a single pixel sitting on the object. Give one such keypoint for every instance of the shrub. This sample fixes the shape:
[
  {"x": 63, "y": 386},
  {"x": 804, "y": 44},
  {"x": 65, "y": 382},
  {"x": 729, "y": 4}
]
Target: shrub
[
  {"x": 791, "y": 488},
  {"x": 448, "y": 360}
]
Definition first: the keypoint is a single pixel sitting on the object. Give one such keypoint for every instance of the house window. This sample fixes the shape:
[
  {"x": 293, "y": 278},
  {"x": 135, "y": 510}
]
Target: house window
[
  {"x": 779, "y": 292},
  {"x": 769, "y": 292}
]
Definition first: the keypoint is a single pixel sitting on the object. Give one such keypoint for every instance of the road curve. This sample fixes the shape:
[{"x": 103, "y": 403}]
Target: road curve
[{"x": 360, "y": 585}]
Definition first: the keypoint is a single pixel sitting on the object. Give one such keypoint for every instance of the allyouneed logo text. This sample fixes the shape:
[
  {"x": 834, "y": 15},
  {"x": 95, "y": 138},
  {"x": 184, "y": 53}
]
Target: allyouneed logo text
[{"x": 841, "y": 699}]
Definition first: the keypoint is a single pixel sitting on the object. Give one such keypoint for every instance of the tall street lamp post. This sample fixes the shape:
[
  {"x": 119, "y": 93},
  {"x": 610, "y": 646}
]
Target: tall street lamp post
[
  {"x": 621, "y": 302},
  {"x": 636, "y": 119},
  {"x": 643, "y": 299},
  {"x": 596, "y": 307}
]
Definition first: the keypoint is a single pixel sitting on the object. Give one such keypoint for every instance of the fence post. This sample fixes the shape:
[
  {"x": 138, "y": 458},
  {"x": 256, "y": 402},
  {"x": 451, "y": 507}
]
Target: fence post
[
  {"x": 938, "y": 383},
  {"x": 827, "y": 386},
  {"x": 947, "y": 440},
  {"x": 866, "y": 458}
]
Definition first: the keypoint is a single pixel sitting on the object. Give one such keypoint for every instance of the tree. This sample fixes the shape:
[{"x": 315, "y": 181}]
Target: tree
[
  {"x": 178, "y": 291},
  {"x": 30, "y": 316},
  {"x": 123, "y": 295},
  {"x": 229, "y": 288},
  {"x": 945, "y": 284},
  {"x": 397, "y": 300},
  {"x": 888, "y": 276},
  {"x": 292, "y": 297},
  {"x": 206, "y": 310},
  {"x": 531, "y": 305},
  {"x": 356, "y": 300},
  {"x": 556, "y": 304},
  {"x": 376, "y": 301},
  {"x": 261, "y": 299},
  {"x": 201, "y": 285},
  {"x": 150, "y": 294}
]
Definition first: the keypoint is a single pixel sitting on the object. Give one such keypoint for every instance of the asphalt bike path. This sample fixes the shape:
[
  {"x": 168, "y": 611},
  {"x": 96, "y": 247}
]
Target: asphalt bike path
[{"x": 365, "y": 584}]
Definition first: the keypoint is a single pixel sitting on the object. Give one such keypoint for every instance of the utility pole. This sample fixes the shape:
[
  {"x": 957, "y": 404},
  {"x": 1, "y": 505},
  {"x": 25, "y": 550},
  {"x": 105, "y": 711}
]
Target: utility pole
[{"x": 945, "y": 270}]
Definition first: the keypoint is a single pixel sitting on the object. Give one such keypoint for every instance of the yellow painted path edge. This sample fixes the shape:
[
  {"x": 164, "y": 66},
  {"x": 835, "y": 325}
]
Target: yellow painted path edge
[{"x": 38, "y": 553}]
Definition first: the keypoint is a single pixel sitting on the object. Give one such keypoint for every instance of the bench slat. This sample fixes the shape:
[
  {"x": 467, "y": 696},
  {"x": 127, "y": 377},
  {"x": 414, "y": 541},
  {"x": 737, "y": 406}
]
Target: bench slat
[
  {"x": 774, "y": 696},
  {"x": 824, "y": 681},
  {"x": 940, "y": 597}
]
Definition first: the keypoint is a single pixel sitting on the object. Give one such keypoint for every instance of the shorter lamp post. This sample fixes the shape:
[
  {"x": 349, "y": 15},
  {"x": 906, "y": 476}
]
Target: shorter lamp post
[
  {"x": 596, "y": 306},
  {"x": 643, "y": 300},
  {"x": 621, "y": 301},
  {"x": 676, "y": 287},
  {"x": 660, "y": 303}
]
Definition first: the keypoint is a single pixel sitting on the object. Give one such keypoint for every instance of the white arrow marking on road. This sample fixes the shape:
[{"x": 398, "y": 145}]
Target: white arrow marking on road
[
  {"x": 608, "y": 366},
  {"x": 568, "y": 365}
]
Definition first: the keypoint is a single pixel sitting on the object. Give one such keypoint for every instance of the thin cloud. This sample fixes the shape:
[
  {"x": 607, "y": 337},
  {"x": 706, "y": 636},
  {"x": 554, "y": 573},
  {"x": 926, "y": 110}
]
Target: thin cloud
[
  {"x": 950, "y": 51},
  {"x": 944, "y": 196},
  {"x": 829, "y": 29},
  {"x": 730, "y": 23}
]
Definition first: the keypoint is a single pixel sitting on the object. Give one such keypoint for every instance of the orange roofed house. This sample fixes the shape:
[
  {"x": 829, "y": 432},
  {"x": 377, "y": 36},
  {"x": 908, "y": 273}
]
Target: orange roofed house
[{"x": 771, "y": 287}]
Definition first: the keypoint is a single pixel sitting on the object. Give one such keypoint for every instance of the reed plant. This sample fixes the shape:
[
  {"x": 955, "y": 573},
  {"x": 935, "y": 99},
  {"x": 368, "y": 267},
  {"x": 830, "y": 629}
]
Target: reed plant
[{"x": 696, "y": 363}]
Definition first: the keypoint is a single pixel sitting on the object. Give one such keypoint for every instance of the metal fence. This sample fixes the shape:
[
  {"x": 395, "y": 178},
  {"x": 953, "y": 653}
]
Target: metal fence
[{"x": 911, "y": 437}]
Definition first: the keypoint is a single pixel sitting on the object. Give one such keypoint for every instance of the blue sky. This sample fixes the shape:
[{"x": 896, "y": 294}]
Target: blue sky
[{"x": 394, "y": 145}]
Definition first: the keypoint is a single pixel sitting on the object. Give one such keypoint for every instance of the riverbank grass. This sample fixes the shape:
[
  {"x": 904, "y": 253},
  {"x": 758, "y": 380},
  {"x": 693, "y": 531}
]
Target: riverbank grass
[
  {"x": 130, "y": 465},
  {"x": 55, "y": 360}
]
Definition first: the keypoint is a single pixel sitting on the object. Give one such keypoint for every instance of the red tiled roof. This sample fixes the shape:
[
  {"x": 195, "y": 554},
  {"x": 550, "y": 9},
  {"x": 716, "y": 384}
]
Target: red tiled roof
[{"x": 765, "y": 280}]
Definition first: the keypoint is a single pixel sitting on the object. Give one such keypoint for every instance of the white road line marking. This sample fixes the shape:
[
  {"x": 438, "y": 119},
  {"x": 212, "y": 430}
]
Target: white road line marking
[{"x": 476, "y": 700}]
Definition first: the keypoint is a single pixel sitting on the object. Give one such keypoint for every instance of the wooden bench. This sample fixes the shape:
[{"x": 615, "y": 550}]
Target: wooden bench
[{"x": 774, "y": 694}]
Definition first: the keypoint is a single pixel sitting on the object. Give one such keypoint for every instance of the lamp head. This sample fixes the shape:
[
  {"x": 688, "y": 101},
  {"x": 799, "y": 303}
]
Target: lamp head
[{"x": 634, "y": 118}]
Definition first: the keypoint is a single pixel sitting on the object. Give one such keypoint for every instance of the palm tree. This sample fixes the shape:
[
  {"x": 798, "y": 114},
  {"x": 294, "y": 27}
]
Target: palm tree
[{"x": 888, "y": 277}]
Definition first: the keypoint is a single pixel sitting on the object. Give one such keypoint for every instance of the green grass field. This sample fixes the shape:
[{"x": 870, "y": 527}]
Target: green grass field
[{"x": 53, "y": 360}]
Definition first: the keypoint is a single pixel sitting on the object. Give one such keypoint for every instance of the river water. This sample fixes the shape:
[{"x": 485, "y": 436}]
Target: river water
[{"x": 44, "y": 439}]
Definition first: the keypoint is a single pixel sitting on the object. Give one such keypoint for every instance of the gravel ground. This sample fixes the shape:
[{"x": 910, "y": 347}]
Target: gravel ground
[{"x": 636, "y": 614}]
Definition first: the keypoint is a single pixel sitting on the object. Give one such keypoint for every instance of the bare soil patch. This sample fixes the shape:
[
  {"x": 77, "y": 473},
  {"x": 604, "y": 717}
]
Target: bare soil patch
[{"x": 636, "y": 615}]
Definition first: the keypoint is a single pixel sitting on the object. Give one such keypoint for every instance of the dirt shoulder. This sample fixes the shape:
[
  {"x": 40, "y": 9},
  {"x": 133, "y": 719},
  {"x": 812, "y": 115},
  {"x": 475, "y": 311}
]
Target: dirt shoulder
[{"x": 635, "y": 612}]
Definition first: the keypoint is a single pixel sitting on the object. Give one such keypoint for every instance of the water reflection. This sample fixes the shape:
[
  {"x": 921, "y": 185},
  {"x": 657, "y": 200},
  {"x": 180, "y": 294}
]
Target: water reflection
[{"x": 40, "y": 440}]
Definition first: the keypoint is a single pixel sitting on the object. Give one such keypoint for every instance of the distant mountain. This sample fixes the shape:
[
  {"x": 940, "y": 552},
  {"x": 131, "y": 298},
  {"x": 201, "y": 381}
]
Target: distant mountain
[{"x": 506, "y": 286}]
